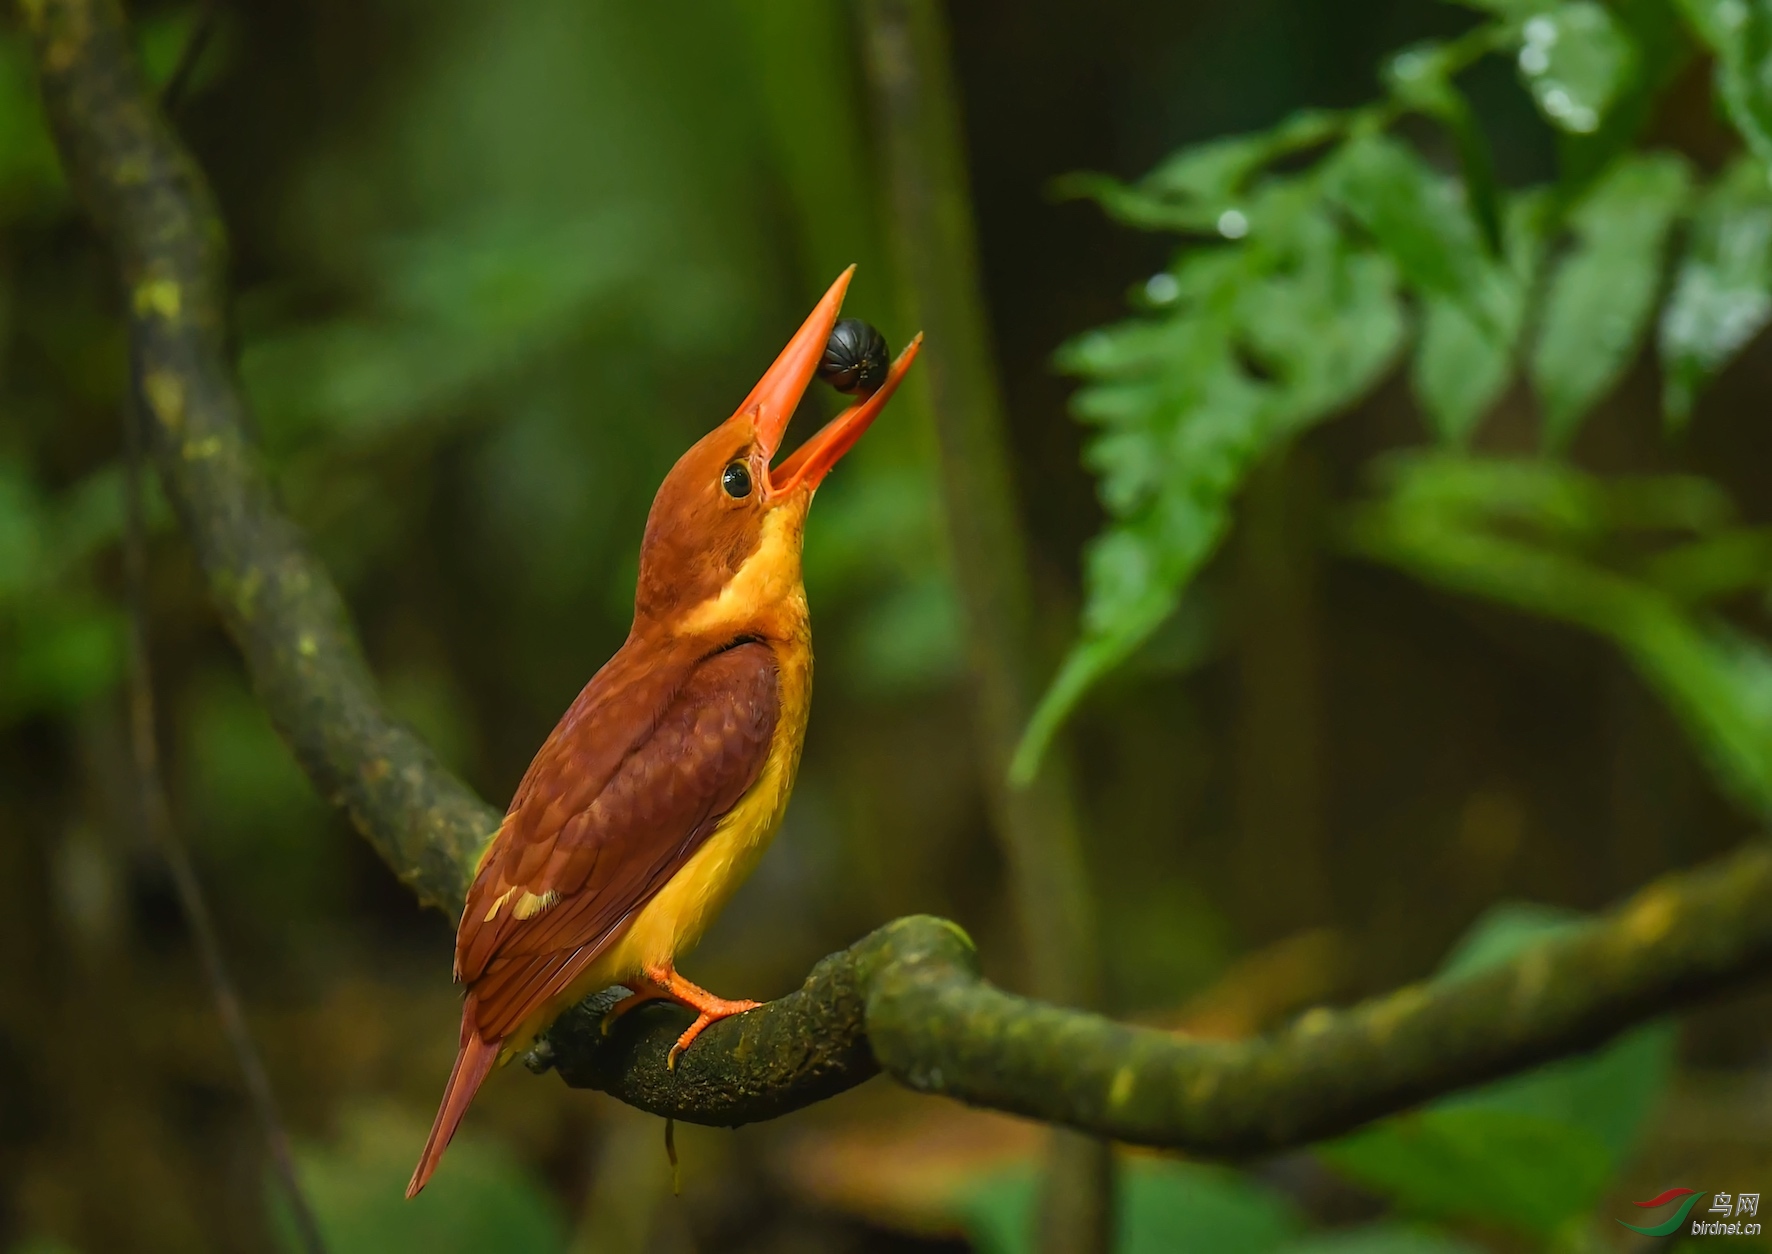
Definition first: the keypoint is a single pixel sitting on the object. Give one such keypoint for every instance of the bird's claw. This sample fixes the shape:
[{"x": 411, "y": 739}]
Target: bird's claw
[{"x": 706, "y": 1019}]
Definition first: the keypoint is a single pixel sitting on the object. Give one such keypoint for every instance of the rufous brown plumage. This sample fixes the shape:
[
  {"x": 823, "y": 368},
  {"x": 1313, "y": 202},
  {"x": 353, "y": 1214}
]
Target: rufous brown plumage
[{"x": 667, "y": 777}]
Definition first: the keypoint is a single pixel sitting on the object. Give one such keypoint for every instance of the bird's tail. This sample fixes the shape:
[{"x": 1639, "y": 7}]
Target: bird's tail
[{"x": 472, "y": 1062}]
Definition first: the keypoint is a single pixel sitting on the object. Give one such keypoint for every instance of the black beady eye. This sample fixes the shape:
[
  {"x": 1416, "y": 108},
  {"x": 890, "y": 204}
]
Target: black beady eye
[
  {"x": 736, "y": 479},
  {"x": 856, "y": 358}
]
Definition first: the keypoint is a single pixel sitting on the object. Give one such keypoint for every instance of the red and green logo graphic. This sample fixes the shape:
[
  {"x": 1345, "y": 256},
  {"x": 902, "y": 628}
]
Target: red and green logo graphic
[{"x": 1670, "y": 1226}]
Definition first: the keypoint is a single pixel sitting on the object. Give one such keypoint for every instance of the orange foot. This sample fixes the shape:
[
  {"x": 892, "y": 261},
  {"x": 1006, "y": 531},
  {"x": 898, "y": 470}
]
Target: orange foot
[
  {"x": 643, "y": 991},
  {"x": 708, "y": 1008}
]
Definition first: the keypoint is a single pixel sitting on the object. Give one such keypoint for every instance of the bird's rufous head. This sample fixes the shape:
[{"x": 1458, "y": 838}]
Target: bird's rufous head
[{"x": 723, "y": 536}]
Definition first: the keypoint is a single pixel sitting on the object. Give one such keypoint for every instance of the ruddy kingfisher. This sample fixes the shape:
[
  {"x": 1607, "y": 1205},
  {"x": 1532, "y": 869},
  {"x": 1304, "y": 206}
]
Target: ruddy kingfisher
[{"x": 665, "y": 780}]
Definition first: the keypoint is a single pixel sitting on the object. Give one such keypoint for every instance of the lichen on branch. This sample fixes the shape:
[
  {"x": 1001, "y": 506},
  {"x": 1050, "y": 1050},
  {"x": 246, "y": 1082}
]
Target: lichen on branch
[{"x": 910, "y": 995}]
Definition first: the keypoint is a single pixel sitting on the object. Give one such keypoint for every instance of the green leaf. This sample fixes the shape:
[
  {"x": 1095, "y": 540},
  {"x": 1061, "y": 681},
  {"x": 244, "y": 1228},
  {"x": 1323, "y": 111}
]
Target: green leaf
[
  {"x": 1575, "y": 60},
  {"x": 1416, "y": 216},
  {"x": 462, "y": 310},
  {"x": 1715, "y": 566},
  {"x": 1496, "y": 1166},
  {"x": 1532, "y": 1151},
  {"x": 479, "y": 1200},
  {"x": 30, "y": 171},
  {"x": 1610, "y": 1093},
  {"x": 1219, "y": 168},
  {"x": 1603, "y": 292},
  {"x": 1719, "y": 683},
  {"x": 1505, "y": 8},
  {"x": 1182, "y": 418},
  {"x": 1722, "y": 293},
  {"x": 1325, "y": 323},
  {"x": 1463, "y": 364},
  {"x": 1661, "y": 51},
  {"x": 65, "y": 652},
  {"x": 1422, "y": 77},
  {"x": 1164, "y": 1208},
  {"x": 1739, "y": 33},
  {"x": 1533, "y": 535},
  {"x": 1194, "y": 189}
]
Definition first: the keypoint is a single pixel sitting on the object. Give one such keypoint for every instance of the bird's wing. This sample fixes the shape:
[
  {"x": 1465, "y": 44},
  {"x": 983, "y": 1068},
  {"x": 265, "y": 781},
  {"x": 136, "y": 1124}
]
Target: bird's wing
[{"x": 571, "y": 866}]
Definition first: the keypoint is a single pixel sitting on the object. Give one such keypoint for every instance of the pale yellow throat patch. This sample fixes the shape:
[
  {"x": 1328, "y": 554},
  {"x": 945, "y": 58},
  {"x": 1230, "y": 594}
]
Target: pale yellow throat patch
[{"x": 766, "y": 586}]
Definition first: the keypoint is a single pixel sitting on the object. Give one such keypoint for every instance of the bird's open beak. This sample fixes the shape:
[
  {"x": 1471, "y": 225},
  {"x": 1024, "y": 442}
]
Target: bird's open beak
[
  {"x": 771, "y": 403},
  {"x": 813, "y": 460}
]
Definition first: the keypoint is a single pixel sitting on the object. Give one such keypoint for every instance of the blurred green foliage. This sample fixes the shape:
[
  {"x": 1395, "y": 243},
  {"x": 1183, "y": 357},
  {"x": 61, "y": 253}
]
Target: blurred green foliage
[
  {"x": 472, "y": 299},
  {"x": 498, "y": 265},
  {"x": 1161, "y": 1207},
  {"x": 1535, "y": 1153},
  {"x": 1318, "y": 254},
  {"x": 1647, "y": 562},
  {"x": 475, "y": 326},
  {"x": 65, "y": 636},
  {"x": 482, "y": 1199},
  {"x": 1562, "y": 281}
]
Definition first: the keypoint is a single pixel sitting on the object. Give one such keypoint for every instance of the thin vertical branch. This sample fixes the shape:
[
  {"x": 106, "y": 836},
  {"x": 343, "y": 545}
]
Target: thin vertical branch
[
  {"x": 189, "y": 56},
  {"x": 932, "y": 229},
  {"x": 914, "y": 97},
  {"x": 156, "y": 816}
]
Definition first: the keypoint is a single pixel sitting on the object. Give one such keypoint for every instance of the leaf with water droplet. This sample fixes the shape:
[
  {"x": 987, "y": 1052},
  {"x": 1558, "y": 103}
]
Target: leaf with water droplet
[
  {"x": 1722, "y": 294},
  {"x": 1416, "y": 215},
  {"x": 1576, "y": 60},
  {"x": 1602, "y": 294},
  {"x": 1463, "y": 364},
  {"x": 1201, "y": 188},
  {"x": 1262, "y": 340}
]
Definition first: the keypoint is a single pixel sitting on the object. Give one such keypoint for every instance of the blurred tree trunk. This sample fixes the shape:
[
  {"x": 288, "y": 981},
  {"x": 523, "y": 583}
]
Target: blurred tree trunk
[
  {"x": 116, "y": 1177},
  {"x": 1282, "y": 882},
  {"x": 918, "y": 110},
  {"x": 1652, "y": 784}
]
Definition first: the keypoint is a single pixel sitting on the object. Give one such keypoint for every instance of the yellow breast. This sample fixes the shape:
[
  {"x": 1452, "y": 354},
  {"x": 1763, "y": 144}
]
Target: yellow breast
[
  {"x": 673, "y": 921},
  {"x": 765, "y": 595}
]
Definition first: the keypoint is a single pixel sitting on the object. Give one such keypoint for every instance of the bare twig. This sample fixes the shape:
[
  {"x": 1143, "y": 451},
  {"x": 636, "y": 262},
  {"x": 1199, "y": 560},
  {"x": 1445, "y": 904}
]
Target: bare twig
[
  {"x": 1037, "y": 825},
  {"x": 156, "y": 817},
  {"x": 173, "y": 94}
]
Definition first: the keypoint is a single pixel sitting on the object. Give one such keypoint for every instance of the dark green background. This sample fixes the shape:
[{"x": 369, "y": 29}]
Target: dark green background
[{"x": 497, "y": 265}]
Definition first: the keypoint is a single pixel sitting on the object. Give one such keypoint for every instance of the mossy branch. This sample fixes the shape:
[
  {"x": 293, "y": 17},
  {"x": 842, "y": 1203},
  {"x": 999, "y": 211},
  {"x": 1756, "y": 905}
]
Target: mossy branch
[
  {"x": 908, "y": 998},
  {"x": 276, "y": 600},
  {"x": 916, "y": 103}
]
